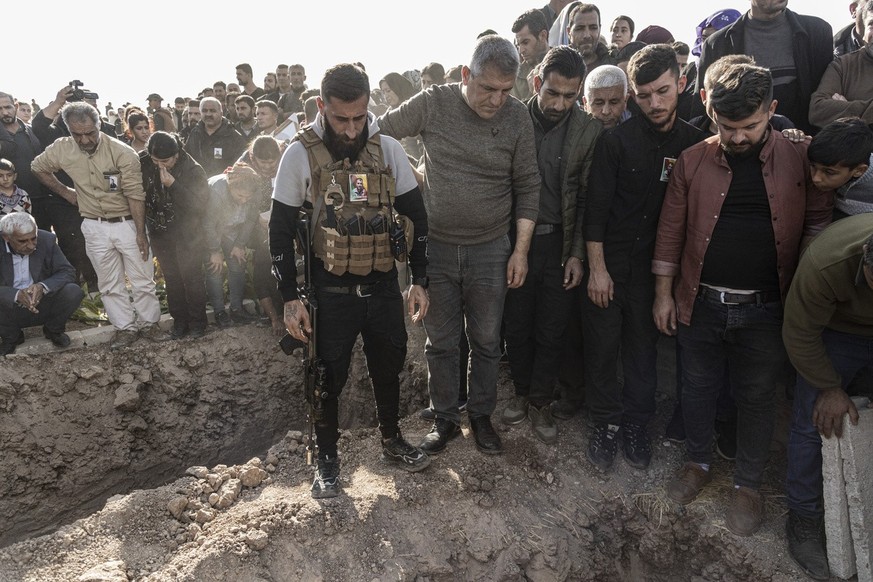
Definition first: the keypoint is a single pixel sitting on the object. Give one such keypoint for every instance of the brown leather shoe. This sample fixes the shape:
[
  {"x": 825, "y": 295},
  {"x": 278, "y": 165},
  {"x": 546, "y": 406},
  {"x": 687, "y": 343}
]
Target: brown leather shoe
[
  {"x": 746, "y": 512},
  {"x": 687, "y": 483}
]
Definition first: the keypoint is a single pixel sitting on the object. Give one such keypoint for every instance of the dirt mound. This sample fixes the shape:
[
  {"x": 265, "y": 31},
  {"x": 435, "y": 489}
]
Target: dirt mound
[{"x": 534, "y": 513}]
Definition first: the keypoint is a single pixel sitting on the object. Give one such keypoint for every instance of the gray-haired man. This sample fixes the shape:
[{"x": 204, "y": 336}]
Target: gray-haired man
[{"x": 480, "y": 167}]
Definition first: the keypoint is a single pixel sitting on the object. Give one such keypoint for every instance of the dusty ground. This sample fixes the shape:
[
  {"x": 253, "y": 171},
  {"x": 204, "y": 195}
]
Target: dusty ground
[{"x": 534, "y": 513}]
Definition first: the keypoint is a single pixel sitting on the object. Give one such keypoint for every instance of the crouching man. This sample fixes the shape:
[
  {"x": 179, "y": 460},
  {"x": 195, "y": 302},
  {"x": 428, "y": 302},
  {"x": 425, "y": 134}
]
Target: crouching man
[{"x": 37, "y": 283}]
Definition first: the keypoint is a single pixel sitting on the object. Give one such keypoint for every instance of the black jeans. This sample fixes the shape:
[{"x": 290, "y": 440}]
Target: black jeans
[
  {"x": 379, "y": 319},
  {"x": 535, "y": 316},
  {"x": 54, "y": 311},
  {"x": 571, "y": 376},
  {"x": 747, "y": 339},
  {"x": 622, "y": 332},
  {"x": 182, "y": 266},
  {"x": 53, "y": 213}
]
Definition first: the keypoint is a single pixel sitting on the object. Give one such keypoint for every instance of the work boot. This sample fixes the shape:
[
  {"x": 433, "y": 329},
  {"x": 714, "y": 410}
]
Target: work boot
[
  {"x": 746, "y": 511},
  {"x": 806, "y": 544},
  {"x": 7, "y": 346},
  {"x": 637, "y": 447},
  {"x": 440, "y": 434},
  {"x": 122, "y": 338},
  {"x": 726, "y": 443},
  {"x": 542, "y": 423},
  {"x": 153, "y": 332},
  {"x": 516, "y": 411},
  {"x": 399, "y": 452},
  {"x": 487, "y": 439},
  {"x": 58, "y": 338},
  {"x": 326, "y": 483},
  {"x": 603, "y": 445},
  {"x": 687, "y": 483}
]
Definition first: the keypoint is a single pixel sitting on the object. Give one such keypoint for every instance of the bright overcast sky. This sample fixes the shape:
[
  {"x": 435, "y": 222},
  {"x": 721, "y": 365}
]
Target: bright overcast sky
[{"x": 132, "y": 53}]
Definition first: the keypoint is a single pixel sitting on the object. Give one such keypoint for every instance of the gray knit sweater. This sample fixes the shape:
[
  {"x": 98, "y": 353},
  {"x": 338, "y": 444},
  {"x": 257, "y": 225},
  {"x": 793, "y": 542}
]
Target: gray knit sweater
[{"x": 476, "y": 170}]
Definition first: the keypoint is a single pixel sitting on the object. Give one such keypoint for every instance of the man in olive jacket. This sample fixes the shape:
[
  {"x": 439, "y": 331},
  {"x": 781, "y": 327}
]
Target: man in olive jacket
[{"x": 536, "y": 314}]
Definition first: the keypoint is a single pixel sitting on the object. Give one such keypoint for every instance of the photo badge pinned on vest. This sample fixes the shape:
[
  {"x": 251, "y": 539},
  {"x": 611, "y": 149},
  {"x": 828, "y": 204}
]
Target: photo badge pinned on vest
[{"x": 357, "y": 227}]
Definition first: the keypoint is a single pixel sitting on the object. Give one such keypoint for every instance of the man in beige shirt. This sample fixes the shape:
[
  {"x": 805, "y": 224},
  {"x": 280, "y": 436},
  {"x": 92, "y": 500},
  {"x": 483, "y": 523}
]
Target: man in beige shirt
[{"x": 108, "y": 191}]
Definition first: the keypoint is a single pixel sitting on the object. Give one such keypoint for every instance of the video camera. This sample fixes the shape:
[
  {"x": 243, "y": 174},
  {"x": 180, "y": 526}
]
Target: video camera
[{"x": 80, "y": 94}]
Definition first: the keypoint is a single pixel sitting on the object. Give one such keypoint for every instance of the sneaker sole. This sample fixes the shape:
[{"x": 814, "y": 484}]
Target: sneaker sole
[
  {"x": 401, "y": 464},
  {"x": 325, "y": 494}
]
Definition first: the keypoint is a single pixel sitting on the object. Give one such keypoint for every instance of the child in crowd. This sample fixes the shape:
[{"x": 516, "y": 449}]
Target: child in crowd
[
  {"x": 12, "y": 198},
  {"x": 841, "y": 159}
]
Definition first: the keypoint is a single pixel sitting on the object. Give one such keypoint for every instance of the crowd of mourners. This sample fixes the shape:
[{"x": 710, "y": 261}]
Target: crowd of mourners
[{"x": 571, "y": 199}]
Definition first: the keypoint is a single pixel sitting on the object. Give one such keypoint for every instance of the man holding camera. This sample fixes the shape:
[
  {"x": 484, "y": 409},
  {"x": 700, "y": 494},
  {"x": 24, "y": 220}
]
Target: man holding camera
[{"x": 351, "y": 258}]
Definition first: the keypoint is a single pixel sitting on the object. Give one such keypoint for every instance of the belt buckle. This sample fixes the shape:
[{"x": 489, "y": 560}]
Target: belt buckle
[
  {"x": 721, "y": 295},
  {"x": 359, "y": 293}
]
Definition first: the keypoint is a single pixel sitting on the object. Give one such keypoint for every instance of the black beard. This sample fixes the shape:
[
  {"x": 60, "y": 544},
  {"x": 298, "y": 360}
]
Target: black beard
[{"x": 340, "y": 148}]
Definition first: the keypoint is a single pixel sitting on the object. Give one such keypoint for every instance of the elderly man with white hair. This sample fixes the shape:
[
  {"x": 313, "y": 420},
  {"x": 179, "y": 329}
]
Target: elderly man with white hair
[
  {"x": 605, "y": 95},
  {"x": 37, "y": 283}
]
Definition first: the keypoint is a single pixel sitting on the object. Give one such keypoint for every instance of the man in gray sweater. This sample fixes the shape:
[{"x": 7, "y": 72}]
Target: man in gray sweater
[{"x": 480, "y": 174}]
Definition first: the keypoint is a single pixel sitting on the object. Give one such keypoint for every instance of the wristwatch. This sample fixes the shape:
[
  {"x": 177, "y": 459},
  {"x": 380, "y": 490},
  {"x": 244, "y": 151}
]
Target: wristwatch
[{"x": 422, "y": 282}]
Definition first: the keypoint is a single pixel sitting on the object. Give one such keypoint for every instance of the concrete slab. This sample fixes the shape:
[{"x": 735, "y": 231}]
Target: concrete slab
[
  {"x": 97, "y": 335},
  {"x": 841, "y": 552},
  {"x": 857, "y": 452}
]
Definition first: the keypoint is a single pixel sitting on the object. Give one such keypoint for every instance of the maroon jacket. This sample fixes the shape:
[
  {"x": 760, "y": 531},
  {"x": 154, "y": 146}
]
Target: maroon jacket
[{"x": 695, "y": 194}]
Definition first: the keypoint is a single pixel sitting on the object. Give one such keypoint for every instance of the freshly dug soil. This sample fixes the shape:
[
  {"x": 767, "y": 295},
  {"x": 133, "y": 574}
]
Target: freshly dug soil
[{"x": 184, "y": 461}]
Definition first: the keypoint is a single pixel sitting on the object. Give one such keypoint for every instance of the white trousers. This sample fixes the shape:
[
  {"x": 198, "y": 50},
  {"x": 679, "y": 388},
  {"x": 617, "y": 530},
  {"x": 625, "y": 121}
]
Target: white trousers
[{"x": 112, "y": 249}]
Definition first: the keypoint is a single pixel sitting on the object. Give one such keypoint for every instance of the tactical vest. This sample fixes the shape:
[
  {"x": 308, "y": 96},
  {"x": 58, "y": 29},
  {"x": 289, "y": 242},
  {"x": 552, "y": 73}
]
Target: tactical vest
[{"x": 350, "y": 231}]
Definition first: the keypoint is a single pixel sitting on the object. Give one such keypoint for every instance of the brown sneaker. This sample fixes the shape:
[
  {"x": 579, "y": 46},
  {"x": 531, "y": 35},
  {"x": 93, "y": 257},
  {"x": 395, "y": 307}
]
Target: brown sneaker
[
  {"x": 687, "y": 483},
  {"x": 746, "y": 512}
]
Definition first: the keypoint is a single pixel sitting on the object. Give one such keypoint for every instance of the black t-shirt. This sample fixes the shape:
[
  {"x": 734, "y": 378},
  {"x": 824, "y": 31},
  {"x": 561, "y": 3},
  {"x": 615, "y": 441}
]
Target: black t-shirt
[{"x": 742, "y": 252}]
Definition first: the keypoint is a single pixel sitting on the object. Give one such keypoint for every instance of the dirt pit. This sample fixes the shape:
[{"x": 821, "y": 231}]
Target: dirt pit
[{"x": 176, "y": 463}]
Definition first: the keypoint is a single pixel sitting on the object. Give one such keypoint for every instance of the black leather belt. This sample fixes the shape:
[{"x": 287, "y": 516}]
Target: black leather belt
[
  {"x": 545, "y": 229},
  {"x": 114, "y": 219},
  {"x": 738, "y": 298},
  {"x": 359, "y": 290}
]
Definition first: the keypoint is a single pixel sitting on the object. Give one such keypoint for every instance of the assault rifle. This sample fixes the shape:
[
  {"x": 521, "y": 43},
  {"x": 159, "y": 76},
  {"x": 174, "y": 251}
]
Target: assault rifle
[{"x": 314, "y": 369}]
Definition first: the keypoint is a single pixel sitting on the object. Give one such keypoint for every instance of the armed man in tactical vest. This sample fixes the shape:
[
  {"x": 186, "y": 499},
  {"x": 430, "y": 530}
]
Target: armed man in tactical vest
[{"x": 355, "y": 239}]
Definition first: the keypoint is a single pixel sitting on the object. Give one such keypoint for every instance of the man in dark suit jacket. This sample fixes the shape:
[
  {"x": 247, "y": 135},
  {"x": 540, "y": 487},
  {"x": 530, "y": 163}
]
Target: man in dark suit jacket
[{"x": 37, "y": 283}]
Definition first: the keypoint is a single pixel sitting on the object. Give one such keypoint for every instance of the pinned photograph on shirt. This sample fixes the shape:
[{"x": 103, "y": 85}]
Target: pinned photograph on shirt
[
  {"x": 216, "y": 153},
  {"x": 358, "y": 187},
  {"x": 112, "y": 181},
  {"x": 667, "y": 168}
]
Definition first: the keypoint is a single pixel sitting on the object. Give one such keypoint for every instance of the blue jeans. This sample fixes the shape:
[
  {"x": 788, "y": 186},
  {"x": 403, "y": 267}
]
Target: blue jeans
[
  {"x": 467, "y": 284},
  {"x": 747, "y": 339},
  {"x": 236, "y": 281},
  {"x": 848, "y": 354}
]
